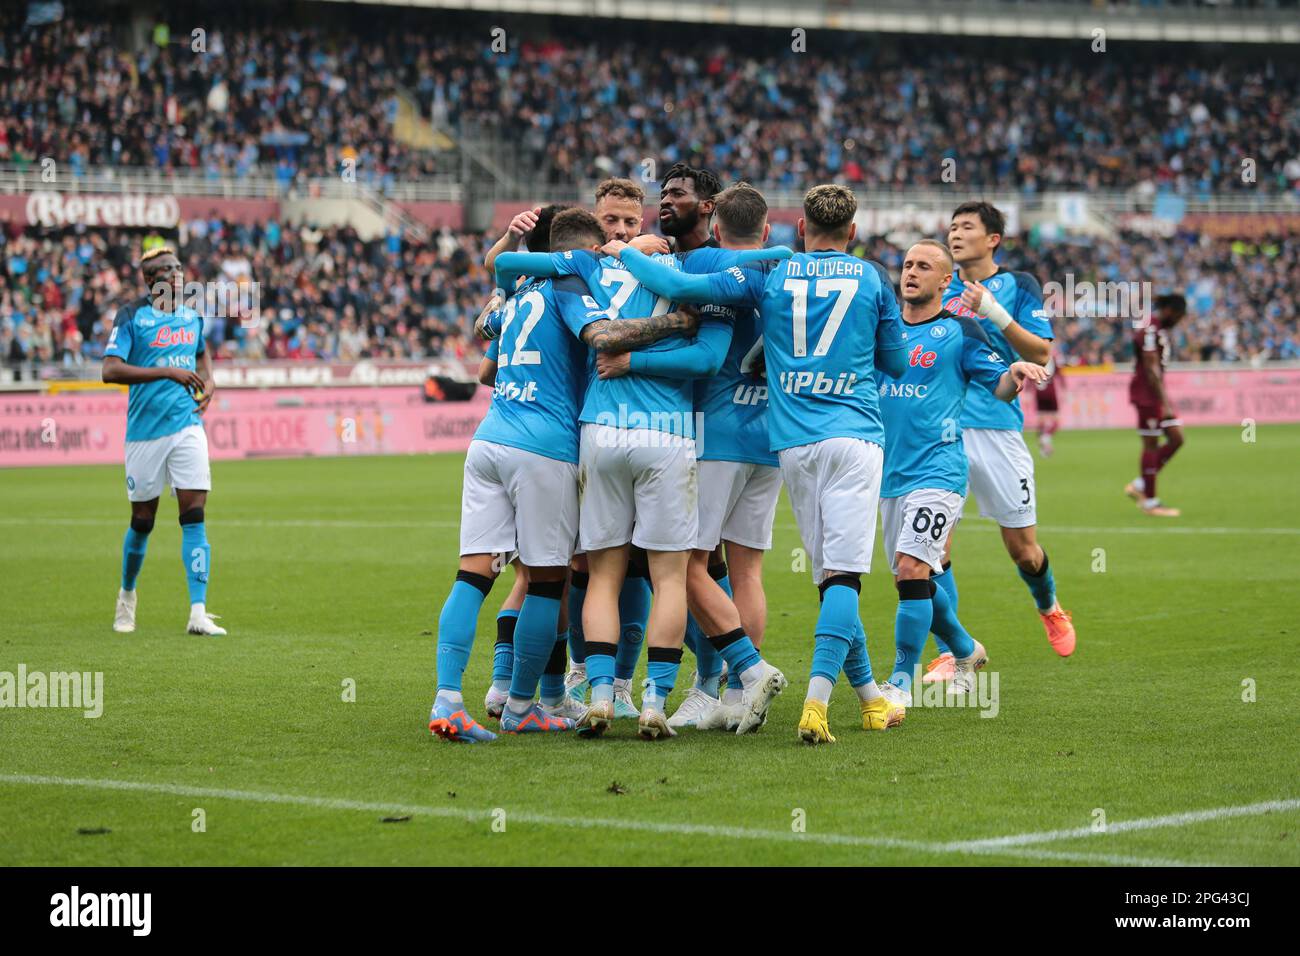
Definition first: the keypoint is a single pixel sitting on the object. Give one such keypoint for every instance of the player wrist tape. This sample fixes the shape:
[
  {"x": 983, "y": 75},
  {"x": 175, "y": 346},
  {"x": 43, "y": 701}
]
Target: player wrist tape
[{"x": 991, "y": 309}]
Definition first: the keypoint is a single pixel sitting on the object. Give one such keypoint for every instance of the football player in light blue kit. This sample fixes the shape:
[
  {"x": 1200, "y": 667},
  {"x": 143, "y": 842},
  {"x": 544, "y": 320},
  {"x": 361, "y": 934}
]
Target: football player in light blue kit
[
  {"x": 1009, "y": 305},
  {"x": 619, "y": 209},
  {"x": 828, "y": 318},
  {"x": 521, "y": 483},
  {"x": 638, "y": 471},
  {"x": 156, "y": 347},
  {"x": 739, "y": 479},
  {"x": 923, "y": 491}
]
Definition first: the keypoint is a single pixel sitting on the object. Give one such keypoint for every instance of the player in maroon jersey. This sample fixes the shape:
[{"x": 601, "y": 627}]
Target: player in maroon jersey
[
  {"x": 1047, "y": 401},
  {"x": 1155, "y": 412}
]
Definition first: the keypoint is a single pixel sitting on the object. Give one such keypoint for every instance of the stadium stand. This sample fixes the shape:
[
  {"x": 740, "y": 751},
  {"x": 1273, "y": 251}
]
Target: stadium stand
[{"x": 279, "y": 108}]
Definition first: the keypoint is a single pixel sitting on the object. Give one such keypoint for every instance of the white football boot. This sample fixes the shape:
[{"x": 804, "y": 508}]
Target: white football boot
[
  {"x": 652, "y": 724},
  {"x": 895, "y": 694},
  {"x": 757, "y": 699},
  {"x": 574, "y": 710},
  {"x": 494, "y": 702},
  {"x": 693, "y": 709},
  {"x": 963, "y": 681},
  {"x": 201, "y": 622},
  {"x": 124, "y": 615}
]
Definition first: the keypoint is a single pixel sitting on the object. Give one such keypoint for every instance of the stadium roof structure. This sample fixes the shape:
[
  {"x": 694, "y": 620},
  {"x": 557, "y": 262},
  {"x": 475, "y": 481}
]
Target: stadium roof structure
[{"x": 1051, "y": 19}]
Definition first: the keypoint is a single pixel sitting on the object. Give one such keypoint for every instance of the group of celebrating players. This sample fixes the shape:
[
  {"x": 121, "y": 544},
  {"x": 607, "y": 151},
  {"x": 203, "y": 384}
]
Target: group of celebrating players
[{"x": 649, "y": 400}]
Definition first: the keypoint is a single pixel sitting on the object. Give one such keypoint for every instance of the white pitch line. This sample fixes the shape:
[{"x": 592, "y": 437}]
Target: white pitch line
[
  {"x": 780, "y": 525},
  {"x": 1147, "y": 823},
  {"x": 997, "y": 846}
]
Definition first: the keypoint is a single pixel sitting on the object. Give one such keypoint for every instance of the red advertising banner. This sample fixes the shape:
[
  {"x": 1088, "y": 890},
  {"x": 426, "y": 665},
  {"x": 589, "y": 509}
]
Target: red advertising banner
[
  {"x": 90, "y": 427},
  {"x": 59, "y": 209}
]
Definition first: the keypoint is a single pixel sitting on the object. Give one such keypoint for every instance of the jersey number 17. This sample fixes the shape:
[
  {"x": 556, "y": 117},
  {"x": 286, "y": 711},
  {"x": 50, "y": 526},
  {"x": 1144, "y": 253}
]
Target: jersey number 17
[{"x": 844, "y": 291}]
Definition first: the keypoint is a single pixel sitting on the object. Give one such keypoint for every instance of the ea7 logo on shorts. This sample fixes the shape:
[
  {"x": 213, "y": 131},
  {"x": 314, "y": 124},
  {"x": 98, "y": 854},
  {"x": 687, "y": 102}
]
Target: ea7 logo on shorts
[{"x": 166, "y": 336}]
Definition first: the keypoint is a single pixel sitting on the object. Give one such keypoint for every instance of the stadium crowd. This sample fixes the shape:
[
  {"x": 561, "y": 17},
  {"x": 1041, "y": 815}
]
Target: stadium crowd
[
  {"x": 322, "y": 293},
  {"x": 580, "y": 105},
  {"x": 326, "y": 294}
]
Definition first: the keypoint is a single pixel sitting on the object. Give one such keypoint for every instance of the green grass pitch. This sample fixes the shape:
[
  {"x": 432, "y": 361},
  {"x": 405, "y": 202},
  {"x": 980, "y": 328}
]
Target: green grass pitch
[{"x": 332, "y": 571}]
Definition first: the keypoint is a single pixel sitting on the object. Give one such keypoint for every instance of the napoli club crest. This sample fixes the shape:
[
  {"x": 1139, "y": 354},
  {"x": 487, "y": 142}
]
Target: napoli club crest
[
  {"x": 994, "y": 284},
  {"x": 938, "y": 331}
]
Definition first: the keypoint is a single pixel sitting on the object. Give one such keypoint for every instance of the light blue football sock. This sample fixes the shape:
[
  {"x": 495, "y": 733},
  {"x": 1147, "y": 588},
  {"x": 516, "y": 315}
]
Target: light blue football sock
[
  {"x": 633, "y": 612},
  {"x": 197, "y": 556},
  {"x": 837, "y": 623},
  {"x": 552, "y": 684},
  {"x": 456, "y": 625},
  {"x": 600, "y": 670},
  {"x": 534, "y": 637},
  {"x": 133, "y": 548},
  {"x": 857, "y": 665},
  {"x": 945, "y": 623},
  {"x": 948, "y": 584},
  {"x": 503, "y": 652},
  {"x": 1041, "y": 585},
  {"x": 911, "y": 625},
  {"x": 661, "y": 675}
]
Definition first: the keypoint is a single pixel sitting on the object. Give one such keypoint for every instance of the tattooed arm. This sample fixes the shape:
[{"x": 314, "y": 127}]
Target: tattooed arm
[{"x": 624, "y": 335}]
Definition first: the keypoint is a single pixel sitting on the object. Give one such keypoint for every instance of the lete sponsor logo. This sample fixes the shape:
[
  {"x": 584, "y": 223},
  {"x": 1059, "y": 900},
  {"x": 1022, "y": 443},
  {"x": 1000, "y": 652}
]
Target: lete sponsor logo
[
  {"x": 168, "y": 336},
  {"x": 75, "y": 209}
]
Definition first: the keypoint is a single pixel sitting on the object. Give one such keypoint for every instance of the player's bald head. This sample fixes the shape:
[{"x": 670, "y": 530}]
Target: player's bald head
[
  {"x": 934, "y": 250},
  {"x": 927, "y": 270}
]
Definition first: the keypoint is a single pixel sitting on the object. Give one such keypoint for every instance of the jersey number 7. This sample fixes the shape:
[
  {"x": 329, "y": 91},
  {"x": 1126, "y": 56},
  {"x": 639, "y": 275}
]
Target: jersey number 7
[{"x": 844, "y": 290}]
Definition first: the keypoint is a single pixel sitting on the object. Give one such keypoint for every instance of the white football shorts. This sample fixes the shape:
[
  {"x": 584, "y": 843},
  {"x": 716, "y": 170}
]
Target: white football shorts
[
  {"x": 1001, "y": 476},
  {"x": 515, "y": 500},
  {"x": 918, "y": 524},
  {"x": 737, "y": 503},
  {"x": 834, "y": 488},
  {"x": 179, "y": 460},
  {"x": 638, "y": 485}
]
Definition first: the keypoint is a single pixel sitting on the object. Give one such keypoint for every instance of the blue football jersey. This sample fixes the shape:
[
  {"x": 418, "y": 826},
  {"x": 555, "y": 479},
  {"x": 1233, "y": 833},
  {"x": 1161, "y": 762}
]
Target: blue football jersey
[
  {"x": 824, "y": 317},
  {"x": 923, "y": 408},
  {"x": 636, "y": 400},
  {"x": 148, "y": 338},
  {"x": 1021, "y": 295},
  {"x": 541, "y": 369},
  {"x": 731, "y": 406}
]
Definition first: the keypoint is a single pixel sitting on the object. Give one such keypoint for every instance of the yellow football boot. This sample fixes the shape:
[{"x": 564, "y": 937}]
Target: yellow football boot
[
  {"x": 813, "y": 727},
  {"x": 880, "y": 714}
]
